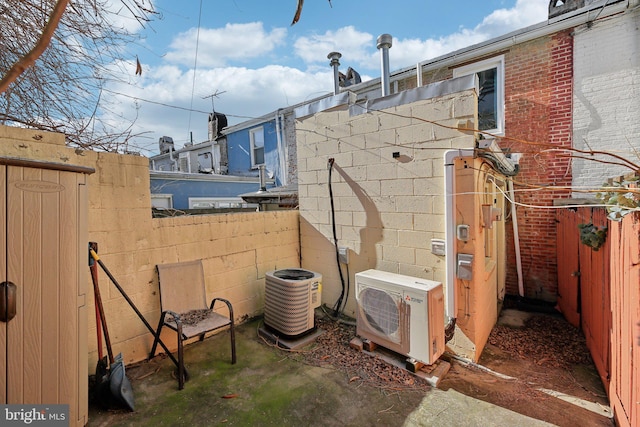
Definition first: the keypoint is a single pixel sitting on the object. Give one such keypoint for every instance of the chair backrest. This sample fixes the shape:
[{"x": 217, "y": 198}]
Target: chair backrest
[{"x": 182, "y": 286}]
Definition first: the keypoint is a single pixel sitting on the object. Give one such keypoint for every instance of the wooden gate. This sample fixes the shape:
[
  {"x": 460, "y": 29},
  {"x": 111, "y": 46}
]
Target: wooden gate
[
  {"x": 625, "y": 307},
  {"x": 583, "y": 282},
  {"x": 568, "y": 241}
]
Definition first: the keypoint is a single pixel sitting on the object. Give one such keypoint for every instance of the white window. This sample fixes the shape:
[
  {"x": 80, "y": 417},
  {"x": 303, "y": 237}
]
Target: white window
[
  {"x": 162, "y": 201},
  {"x": 256, "y": 137},
  {"x": 490, "y": 74},
  {"x": 219, "y": 203}
]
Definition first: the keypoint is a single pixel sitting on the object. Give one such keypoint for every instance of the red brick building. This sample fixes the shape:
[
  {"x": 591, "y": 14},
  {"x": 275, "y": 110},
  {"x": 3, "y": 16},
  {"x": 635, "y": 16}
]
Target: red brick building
[{"x": 526, "y": 101}]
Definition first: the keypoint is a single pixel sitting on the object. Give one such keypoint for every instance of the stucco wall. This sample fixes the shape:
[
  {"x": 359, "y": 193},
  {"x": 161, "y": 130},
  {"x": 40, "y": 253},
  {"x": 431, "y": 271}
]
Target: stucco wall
[
  {"x": 237, "y": 249},
  {"x": 606, "y": 97}
]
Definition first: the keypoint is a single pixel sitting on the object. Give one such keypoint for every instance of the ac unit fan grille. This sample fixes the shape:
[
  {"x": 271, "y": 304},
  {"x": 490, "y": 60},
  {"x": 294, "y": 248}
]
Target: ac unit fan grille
[{"x": 381, "y": 311}]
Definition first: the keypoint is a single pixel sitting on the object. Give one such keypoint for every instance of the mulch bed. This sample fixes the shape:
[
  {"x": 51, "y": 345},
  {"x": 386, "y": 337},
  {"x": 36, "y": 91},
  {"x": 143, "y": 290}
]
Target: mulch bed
[
  {"x": 545, "y": 340},
  {"x": 332, "y": 349}
]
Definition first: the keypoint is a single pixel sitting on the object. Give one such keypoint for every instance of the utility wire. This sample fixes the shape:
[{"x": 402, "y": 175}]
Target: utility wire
[{"x": 195, "y": 65}]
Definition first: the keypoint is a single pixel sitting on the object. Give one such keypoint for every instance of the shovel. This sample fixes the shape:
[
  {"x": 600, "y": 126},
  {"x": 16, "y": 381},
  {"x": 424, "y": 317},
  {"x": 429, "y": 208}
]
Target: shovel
[{"x": 112, "y": 384}]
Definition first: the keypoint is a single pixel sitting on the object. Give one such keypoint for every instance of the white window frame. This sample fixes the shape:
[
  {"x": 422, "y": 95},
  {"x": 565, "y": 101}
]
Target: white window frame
[
  {"x": 252, "y": 136},
  {"x": 496, "y": 62},
  {"x": 161, "y": 199},
  {"x": 219, "y": 203}
]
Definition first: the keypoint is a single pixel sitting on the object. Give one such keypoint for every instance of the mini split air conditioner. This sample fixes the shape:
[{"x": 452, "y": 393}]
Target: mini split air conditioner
[
  {"x": 401, "y": 313},
  {"x": 290, "y": 298}
]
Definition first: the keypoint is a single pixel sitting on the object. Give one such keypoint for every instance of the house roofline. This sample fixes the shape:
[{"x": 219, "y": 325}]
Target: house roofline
[{"x": 602, "y": 9}]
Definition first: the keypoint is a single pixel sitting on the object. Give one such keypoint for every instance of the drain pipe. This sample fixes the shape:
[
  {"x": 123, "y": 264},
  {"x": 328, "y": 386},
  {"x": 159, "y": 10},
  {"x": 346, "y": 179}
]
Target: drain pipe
[
  {"x": 335, "y": 63},
  {"x": 450, "y": 235},
  {"x": 384, "y": 44},
  {"x": 516, "y": 237},
  {"x": 281, "y": 147},
  {"x": 262, "y": 175}
]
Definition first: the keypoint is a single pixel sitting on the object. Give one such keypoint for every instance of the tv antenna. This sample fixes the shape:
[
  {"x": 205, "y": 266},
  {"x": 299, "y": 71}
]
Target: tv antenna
[{"x": 212, "y": 96}]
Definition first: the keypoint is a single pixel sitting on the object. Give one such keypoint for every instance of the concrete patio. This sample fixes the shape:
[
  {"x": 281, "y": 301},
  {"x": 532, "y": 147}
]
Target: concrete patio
[{"x": 273, "y": 387}]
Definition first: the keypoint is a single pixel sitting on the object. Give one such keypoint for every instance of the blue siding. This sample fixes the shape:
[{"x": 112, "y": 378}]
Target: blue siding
[
  {"x": 239, "y": 152},
  {"x": 183, "y": 189}
]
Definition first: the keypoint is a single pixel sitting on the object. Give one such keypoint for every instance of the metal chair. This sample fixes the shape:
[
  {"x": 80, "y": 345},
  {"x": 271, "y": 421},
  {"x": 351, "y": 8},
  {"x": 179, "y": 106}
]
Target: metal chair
[{"x": 185, "y": 311}]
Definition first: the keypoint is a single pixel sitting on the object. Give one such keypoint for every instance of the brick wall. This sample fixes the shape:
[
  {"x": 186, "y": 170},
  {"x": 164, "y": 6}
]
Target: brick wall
[
  {"x": 538, "y": 109},
  {"x": 607, "y": 97}
]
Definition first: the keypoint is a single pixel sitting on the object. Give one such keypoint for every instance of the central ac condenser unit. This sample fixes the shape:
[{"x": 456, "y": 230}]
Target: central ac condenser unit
[
  {"x": 291, "y": 295},
  {"x": 401, "y": 313}
]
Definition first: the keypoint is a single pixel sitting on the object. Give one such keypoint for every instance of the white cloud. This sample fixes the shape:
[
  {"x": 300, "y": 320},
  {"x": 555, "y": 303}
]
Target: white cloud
[
  {"x": 354, "y": 45},
  {"x": 218, "y": 46},
  {"x": 359, "y": 47},
  {"x": 243, "y": 93},
  {"x": 246, "y": 92}
]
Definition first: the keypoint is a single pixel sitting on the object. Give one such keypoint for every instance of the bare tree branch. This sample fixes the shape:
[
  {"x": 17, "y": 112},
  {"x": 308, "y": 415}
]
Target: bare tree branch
[{"x": 45, "y": 39}]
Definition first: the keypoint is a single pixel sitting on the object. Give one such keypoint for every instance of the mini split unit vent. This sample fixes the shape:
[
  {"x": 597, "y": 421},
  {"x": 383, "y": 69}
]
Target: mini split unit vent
[
  {"x": 401, "y": 313},
  {"x": 290, "y": 297}
]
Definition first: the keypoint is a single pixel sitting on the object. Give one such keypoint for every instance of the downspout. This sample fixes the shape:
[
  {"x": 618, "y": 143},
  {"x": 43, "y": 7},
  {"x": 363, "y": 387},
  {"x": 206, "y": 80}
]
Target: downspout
[
  {"x": 450, "y": 234},
  {"x": 215, "y": 165},
  {"x": 516, "y": 237},
  {"x": 281, "y": 150}
]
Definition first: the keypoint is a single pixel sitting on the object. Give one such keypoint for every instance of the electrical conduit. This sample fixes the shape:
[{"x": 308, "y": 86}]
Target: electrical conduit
[{"x": 450, "y": 228}]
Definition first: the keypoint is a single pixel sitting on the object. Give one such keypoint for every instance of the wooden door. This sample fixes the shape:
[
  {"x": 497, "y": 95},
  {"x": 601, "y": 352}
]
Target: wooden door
[
  {"x": 567, "y": 249},
  {"x": 45, "y": 255}
]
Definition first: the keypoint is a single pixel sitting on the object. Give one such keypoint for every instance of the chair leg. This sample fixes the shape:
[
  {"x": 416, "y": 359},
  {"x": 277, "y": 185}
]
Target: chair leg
[
  {"x": 180, "y": 359},
  {"x": 156, "y": 336},
  {"x": 233, "y": 342}
]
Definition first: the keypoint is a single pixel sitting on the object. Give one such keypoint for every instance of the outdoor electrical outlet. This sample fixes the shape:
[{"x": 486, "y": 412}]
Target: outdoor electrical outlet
[{"x": 343, "y": 254}]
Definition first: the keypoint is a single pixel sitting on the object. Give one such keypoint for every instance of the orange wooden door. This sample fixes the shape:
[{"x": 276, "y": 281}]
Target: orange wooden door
[
  {"x": 44, "y": 233},
  {"x": 595, "y": 305},
  {"x": 567, "y": 249}
]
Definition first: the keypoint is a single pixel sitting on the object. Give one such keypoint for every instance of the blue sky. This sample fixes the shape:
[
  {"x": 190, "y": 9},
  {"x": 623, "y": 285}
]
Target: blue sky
[{"x": 250, "y": 55}]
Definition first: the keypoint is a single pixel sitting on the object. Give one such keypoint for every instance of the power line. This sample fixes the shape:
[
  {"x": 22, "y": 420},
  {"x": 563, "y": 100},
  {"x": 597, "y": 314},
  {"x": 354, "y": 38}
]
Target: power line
[
  {"x": 195, "y": 64},
  {"x": 136, "y": 98}
]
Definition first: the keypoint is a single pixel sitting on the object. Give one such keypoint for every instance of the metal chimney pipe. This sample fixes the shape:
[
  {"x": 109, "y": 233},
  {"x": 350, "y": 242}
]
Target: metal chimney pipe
[
  {"x": 384, "y": 43},
  {"x": 334, "y": 57},
  {"x": 263, "y": 178}
]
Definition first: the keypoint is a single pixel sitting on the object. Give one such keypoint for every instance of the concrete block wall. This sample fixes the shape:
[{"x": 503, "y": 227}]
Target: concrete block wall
[
  {"x": 387, "y": 207},
  {"x": 606, "y": 97},
  {"x": 237, "y": 249}
]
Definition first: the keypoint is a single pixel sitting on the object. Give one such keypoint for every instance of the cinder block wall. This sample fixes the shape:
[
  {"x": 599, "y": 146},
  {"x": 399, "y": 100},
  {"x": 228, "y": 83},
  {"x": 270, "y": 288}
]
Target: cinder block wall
[
  {"x": 387, "y": 209},
  {"x": 237, "y": 248}
]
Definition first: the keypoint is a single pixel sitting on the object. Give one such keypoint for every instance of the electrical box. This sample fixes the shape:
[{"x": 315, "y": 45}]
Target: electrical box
[
  {"x": 490, "y": 215},
  {"x": 465, "y": 266},
  {"x": 343, "y": 254},
  {"x": 462, "y": 232},
  {"x": 438, "y": 247}
]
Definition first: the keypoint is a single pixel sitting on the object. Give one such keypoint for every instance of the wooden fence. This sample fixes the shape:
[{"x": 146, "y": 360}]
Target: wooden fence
[{"x": 599, "y": 291}]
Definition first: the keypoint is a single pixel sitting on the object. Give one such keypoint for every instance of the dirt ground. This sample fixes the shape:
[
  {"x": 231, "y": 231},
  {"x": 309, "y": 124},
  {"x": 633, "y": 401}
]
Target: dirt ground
[
  {"x": 544, "y": 354},
  {"x": 327, "y": 382}
]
